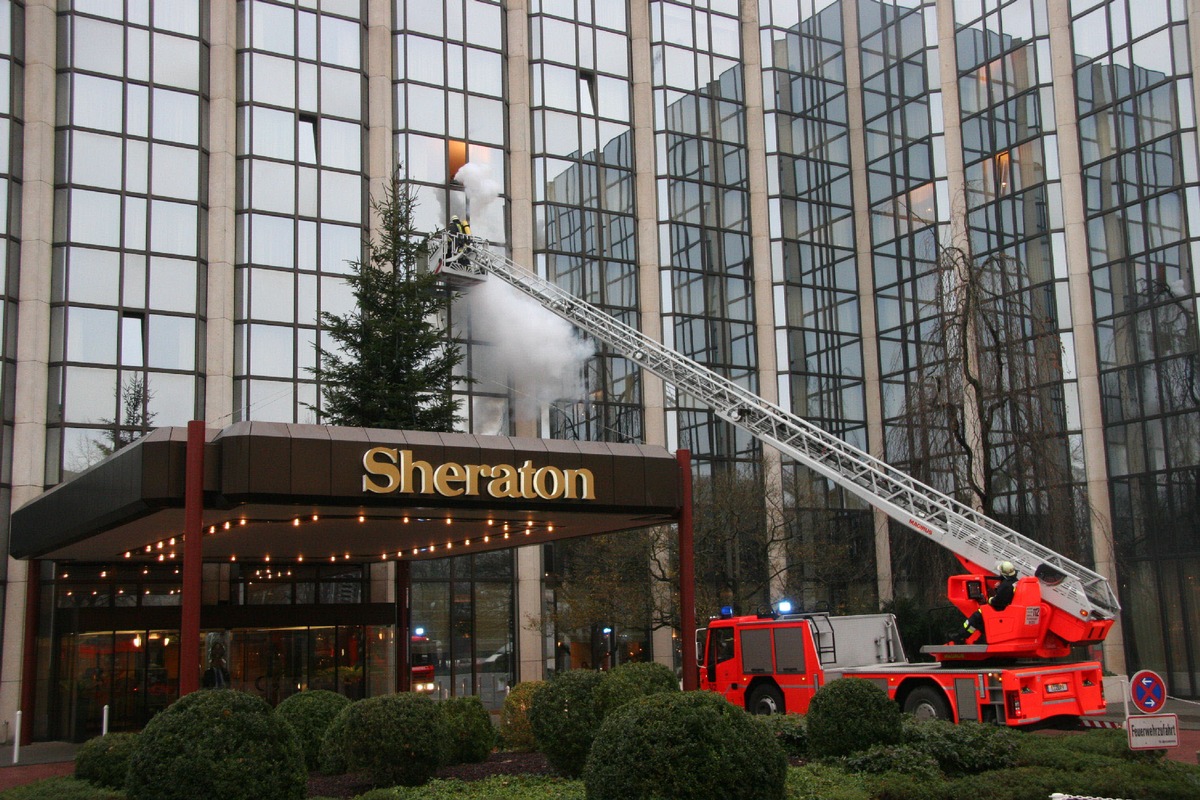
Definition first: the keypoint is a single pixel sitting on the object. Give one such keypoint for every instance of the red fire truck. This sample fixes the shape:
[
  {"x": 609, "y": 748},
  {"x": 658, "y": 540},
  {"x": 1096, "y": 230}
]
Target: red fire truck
[
  {"x": 424, "y": 657},
  {"x": 774, "y": 663}
]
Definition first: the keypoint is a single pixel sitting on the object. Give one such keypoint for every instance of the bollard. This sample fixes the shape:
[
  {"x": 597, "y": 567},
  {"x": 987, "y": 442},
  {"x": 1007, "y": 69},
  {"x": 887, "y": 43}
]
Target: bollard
[
  {"x": 104, "y": 721},
  {"x": 17, "y": 740}
]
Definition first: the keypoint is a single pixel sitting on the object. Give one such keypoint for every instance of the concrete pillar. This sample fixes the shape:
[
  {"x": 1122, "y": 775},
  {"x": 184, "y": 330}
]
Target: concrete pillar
[
  {"x": 662, "y": 639},
  {"x": 380, "y": 161},
  {"x": 765, "y": 323},
  {"x": 33, "y": 319},
  {"x": 222, "y": 202},
  {"x": 530, "y": 658},
  {"x": 866, "y": 289},
  {"x": 1079, "y": 284}
]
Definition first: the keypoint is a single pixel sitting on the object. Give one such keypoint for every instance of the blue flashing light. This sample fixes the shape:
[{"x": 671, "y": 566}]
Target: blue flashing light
[
  {"x": 726, "y": 612},
  {"x": 418, "y": 632},
  {"x": 607, "y": 631},
  {"x": 785, "y": 606}
]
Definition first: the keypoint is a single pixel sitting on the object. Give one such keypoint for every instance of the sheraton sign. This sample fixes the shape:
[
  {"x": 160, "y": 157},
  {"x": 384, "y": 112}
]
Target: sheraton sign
[{"x": 391, "y": 470}]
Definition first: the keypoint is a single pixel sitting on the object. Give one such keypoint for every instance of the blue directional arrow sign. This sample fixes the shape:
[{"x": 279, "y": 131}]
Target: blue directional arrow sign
[{"x": 1148, "y": 691}]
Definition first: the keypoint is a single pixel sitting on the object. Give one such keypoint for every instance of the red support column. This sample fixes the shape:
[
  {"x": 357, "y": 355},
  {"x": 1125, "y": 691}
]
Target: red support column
[
  {"x": 29, "y": 670},
  {"x": 193, "y": 555},
  {"x": 403, "y": 626},
  {"x": 687, "y": 575}
]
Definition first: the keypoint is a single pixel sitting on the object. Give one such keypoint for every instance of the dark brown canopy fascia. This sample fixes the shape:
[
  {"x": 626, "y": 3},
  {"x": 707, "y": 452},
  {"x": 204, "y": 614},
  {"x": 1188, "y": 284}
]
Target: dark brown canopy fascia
[{"x": 289, "y": 491}]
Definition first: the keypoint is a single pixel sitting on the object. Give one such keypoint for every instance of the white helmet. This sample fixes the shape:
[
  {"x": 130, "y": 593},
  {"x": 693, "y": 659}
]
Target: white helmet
[{"x": 1006, "y": 569}]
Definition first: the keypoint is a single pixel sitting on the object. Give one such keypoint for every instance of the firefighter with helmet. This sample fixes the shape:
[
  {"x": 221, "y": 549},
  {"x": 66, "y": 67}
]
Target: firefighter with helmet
[
  {"x": 1000, "y": 599},
  {"x": 460, "y": 231}
]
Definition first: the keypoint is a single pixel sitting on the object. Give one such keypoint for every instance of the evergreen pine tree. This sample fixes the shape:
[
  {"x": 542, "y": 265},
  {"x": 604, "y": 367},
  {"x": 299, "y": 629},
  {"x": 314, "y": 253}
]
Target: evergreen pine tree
[{"x": 393, "y": 366}]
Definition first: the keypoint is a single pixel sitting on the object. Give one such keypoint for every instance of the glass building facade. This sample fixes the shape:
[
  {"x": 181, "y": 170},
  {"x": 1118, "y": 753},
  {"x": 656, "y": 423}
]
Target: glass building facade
[{"x": 795, "y": 193}]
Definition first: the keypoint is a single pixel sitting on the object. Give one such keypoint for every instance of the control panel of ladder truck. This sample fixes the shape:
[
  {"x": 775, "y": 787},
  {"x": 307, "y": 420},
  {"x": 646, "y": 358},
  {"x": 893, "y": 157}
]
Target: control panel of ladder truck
[{"x": 774, "y": 661}]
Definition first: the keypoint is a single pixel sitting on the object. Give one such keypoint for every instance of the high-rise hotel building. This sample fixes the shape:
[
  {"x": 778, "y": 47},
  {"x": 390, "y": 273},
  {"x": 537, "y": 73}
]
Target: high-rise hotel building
[{"x": 772, "y": 187}]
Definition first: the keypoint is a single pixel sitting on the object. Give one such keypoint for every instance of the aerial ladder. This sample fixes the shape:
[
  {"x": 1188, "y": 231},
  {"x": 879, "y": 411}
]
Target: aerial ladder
[{"x": 1079, "y": 604}]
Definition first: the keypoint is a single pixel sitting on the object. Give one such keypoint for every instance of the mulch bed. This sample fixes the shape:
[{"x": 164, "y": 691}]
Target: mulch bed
[{"x": 498, "y": 763}]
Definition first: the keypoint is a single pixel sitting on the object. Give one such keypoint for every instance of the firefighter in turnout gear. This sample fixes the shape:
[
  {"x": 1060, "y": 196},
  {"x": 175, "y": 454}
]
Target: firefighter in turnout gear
[
  {"x": 999, "y": 600},
  {"x": 460, "y": 231}
]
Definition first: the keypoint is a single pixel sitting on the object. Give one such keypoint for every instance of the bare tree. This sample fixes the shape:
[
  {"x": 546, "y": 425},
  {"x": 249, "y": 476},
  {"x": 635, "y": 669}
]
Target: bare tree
[
  {"x": 600, "y": 583},
  {"x": 830, "y": 547},
  {"x": 631, "y": 580},
  {"x": 984, "y": 416}
]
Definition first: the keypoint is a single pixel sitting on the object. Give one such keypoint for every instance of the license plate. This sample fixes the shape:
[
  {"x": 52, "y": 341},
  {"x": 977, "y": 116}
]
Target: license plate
[{"x": 1055, "y": 688}]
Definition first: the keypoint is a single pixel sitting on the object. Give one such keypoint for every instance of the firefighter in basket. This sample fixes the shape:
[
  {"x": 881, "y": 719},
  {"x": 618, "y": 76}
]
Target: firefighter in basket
[
  {"x": 460, "y": 232},
  {"x": 1001, "y": 597}
]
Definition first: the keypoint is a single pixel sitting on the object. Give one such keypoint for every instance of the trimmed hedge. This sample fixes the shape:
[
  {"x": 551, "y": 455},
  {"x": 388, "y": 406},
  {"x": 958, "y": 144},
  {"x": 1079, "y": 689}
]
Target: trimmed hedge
[
  {"x": 332, "y": 757},
  {"x": 966, "y": 748},
  {"x": 104, "y": 760},
  {"x": 61, "y": 788},
  {"x": 684, "y": 746},
  {"x": 217, "y": 743},
  {"x": 564, "y": 719},
  {"x": 310, "y": 714},
  {"x": 469, "y": 728},
  {"x": 395, "y": 739},
  {"x": 627, "y": 682},
  {"x": 903, "y": 758},
  {"x": 790, "y": 730},
  {"x": 1167, "y": 781},
  {"x": 500, "y": 787},
  {"x": 848, "y": 715},
  {"x": 515, "y": 730},
  {"x": 1093, "y": 748},
  {"x": 822, "y": 781}
]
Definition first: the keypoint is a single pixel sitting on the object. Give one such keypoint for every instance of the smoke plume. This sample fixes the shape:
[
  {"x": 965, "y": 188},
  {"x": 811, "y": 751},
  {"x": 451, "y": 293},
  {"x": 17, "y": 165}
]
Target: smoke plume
[
  {"x": 482, "y": 193},
  {"x": 538, "y": 355}
]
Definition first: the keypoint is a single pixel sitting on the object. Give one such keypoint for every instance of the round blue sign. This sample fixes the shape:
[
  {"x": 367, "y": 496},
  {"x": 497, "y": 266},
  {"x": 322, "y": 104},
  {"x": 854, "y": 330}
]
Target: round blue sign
[{"x": 1148, "y": 691}]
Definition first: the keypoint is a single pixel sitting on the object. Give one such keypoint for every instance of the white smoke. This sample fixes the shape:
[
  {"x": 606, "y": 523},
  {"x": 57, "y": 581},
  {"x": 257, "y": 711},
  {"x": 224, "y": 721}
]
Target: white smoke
[
  {"x": 536, "y": 354},
  {"x": 482, "y": 193}
]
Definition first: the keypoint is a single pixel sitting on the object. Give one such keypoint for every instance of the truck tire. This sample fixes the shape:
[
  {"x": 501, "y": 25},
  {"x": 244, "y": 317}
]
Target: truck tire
[
  {"x": 926, "y": 702},
  {"x": 764, "y": 699}
]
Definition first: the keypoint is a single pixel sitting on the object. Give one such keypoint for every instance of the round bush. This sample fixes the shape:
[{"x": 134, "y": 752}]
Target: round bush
[
  {"x": 684, "y": 746},
  {"x": 630, "y": 681},
  {"x": 564, "y": 719},
  {"x": 217, "y": 743},
  {"x": 310, "y": 714},
  {"x": 332, "y": 759},
  {"x": 848, "y": 715},
  {"x": 789, "y": 730},
  {"x": 105, "y": 759},
  {"x": 469, "y": 728},
  {"x": 515, "y": 730},
  {"x": 395, "y": 739}
]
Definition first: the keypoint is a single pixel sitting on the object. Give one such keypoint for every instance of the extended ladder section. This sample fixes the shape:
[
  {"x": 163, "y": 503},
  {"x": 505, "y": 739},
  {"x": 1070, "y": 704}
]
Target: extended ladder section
[{"x": 1075, "y": 590}]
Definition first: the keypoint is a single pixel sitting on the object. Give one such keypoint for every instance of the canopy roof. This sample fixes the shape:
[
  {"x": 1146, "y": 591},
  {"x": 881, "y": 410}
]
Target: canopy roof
[{"x": 274, "y": 490}]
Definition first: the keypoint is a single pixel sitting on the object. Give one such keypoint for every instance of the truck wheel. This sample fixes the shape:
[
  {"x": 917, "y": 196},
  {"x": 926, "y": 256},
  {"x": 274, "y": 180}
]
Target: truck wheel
[
  {"x": 765, "y": 699},
  {"x": 925, "y": 702}
]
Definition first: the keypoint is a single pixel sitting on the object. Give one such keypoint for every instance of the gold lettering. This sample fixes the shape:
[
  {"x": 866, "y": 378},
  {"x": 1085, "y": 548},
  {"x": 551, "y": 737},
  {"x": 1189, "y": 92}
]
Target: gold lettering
[
  {"x": 586, "y": 484},
  {"x": 373, "y": 464},
  {"x": 540, "y": 479},
  {"x": 407, "y": 465},
  {"x": 447, "y": 474},
  {"x": 505, "y": 481},
  {"x": 527, "y": 472},
  {"x": 391, "y": 470},
  {"x": 473, "y": 473}
]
